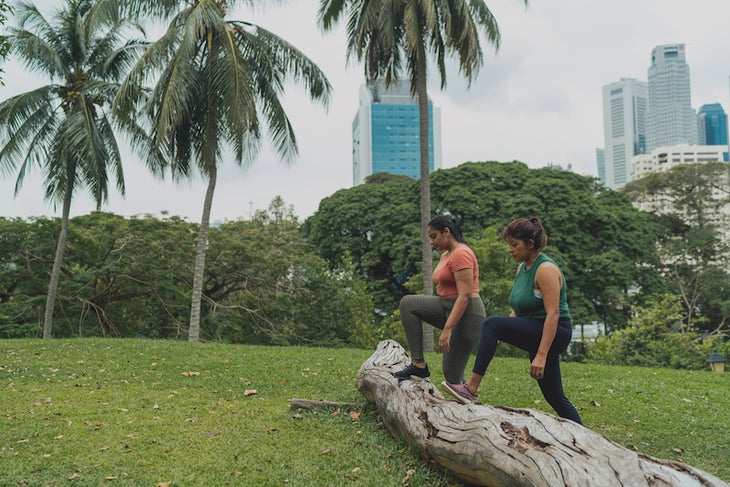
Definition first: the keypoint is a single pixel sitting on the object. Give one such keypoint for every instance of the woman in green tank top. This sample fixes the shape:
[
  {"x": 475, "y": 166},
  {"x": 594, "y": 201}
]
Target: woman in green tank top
[{"x": 539, "y": 323}]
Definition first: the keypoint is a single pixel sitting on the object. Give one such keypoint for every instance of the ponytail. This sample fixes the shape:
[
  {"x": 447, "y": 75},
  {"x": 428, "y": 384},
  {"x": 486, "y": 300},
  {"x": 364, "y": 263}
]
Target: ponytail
[
  {"x": 442, "y": 222},
  {"x": 526, "y": 230}
]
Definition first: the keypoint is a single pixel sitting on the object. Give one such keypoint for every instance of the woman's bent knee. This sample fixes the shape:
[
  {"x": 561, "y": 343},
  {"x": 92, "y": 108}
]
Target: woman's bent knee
[{"x": 406, "y": 302}]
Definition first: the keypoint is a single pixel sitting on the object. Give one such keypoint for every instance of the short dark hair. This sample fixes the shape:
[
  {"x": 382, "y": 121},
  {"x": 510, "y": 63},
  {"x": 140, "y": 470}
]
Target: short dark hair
[
  {"x": 526, "y": 230},
  {"x": 442, "y": 222}
]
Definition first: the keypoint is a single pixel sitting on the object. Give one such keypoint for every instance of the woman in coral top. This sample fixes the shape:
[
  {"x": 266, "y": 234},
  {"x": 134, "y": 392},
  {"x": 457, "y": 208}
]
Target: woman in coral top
[{"x": 457, "y": 309}]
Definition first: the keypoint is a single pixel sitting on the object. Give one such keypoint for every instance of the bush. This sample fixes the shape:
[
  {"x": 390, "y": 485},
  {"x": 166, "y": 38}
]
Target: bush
[{"x": 676, "y": 350}]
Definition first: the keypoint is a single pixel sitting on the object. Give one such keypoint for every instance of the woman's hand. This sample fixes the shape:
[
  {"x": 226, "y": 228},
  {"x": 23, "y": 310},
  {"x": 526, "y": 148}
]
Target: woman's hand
[
  {"x": 537, "y": 367},
  {"x": 445, "y": 340}
]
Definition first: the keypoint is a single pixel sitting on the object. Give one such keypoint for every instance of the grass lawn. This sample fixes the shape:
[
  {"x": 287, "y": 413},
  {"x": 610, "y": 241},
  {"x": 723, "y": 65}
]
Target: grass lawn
[{"x": 157, "y": 413}]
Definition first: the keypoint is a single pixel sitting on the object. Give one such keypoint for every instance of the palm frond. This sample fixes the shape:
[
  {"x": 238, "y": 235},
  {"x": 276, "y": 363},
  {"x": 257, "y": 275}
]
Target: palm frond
[
  {"x": 329, "y": 13},
  {"x": 36, "y": 54},
  {"x": 289, "y": 61}
]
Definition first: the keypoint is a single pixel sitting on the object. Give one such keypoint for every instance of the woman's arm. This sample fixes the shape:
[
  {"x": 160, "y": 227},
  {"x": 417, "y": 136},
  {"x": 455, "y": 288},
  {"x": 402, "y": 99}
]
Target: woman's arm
[
  {"x": 549, "y": 282},
  {"x": 464, "y": 279}
]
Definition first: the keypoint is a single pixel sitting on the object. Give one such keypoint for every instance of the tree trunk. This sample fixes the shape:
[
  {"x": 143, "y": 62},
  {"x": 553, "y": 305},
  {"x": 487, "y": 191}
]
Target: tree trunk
[
  {"x": 425, "y": 186},
  {"x": 199, "y": 273},
  {"x": 499, "y": 446},
  {"x": 57, "y": 262}
]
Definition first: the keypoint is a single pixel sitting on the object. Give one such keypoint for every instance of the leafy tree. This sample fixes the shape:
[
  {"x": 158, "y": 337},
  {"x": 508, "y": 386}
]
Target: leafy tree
[
  {"x": 26, "y": 253},
  {"x": 496, "y": 271},
  {"x": 592, "y": 231},
  {"x": 64, "y": 127},
  {"x": 688, "y": 203},
  {"x": 652, "y": 339},
  {"x": 130, "y": 276},
  {"x": 390, "y": 37},
  {"x": 218, "y": 82},
  {"x": 383, "y": 239},
  {"x": 265, "y": 286},
  {"x": 121, "y": 276}
]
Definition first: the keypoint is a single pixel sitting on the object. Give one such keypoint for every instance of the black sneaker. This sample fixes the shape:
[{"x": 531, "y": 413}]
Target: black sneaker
[{"x": 406, "y": 373}]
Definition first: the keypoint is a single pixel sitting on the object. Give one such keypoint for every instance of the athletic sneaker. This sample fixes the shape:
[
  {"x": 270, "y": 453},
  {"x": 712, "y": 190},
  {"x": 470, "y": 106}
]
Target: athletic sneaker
[
  {"x": 461, "y": 392},
  {"x": 406, "y": 373}
]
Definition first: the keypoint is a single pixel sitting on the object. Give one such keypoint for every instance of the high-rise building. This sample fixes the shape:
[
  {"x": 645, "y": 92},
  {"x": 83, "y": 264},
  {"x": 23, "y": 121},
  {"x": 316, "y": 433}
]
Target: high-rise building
[
  {"x": 662, "y": 159},
  {"x": 712, "y": 125},
  {"x": 624, "y": 128},
  {"x": 601, "y": 164},
  {"x": 670, "y": 116},
  {"x": 386, "y": 135}
]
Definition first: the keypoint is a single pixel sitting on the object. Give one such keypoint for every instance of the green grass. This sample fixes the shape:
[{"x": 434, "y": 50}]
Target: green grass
[{"x": 124, "y": 412}]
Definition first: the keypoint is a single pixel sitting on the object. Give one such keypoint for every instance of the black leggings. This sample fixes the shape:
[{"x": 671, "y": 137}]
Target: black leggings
[{"x": 526, "y": 334}]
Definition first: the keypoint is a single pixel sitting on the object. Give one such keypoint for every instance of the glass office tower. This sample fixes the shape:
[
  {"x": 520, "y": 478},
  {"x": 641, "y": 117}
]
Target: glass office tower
[
  {"x": 385, "y": 133},
  {"x": 712, "y": 125},
  {"x": 670, "y": 116}
]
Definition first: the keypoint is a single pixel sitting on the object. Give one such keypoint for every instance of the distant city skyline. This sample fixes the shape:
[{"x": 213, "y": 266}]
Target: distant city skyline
[
  {"x": 640, "y": 116},
  {"x": 537, "y": 100}
]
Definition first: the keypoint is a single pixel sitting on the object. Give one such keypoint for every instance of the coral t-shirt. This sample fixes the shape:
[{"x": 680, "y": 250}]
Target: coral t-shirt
[{"x": 462, "y": 257}]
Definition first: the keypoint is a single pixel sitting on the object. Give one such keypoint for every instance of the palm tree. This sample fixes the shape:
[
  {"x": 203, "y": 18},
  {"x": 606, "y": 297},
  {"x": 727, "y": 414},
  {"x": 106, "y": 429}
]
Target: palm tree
[
  {"x": 390, "y": 36},
  {"x": 4, "y": 43},
  {"x": 219, "y": 81},
  {"x": 64, "y": 127}
]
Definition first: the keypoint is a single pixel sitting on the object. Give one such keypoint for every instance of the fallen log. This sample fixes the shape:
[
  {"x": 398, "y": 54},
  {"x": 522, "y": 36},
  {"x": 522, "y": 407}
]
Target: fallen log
[{"x": 500, "y": 446}]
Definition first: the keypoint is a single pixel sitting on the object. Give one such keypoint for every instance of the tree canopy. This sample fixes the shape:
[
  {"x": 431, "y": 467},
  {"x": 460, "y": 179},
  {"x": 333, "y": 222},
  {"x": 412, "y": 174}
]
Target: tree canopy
[
  {"x": 689, "y": 205},
  {"x": 591, "y": 230},
  {"x": 131, "y": 276}
]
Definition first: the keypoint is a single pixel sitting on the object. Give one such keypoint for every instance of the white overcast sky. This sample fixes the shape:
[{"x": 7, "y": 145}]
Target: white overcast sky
[{"x": 537, "y": 100}]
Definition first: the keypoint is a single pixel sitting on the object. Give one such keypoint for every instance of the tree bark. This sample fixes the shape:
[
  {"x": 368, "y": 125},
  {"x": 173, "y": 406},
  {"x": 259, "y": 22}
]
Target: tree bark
[
  {"x": 200, "y": 253},
  {"x": 425, "y": 189},
  {"x": 57, "y": 263},
  {"x": 499, "y": 446}
]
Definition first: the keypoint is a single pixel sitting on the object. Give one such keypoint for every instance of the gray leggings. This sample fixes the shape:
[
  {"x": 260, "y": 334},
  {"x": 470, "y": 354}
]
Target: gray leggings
[{"x": 434, "y": 310}]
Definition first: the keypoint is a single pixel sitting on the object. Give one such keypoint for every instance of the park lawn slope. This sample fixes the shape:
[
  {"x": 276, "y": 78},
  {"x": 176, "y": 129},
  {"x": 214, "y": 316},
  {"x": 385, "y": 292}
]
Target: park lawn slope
[{"x": 148, "y": 412}]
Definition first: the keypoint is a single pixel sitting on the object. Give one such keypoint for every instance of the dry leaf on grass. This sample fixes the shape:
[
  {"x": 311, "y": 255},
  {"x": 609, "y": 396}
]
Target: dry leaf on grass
[
  {"x": 190, "y": 374},
  {"x": 354, "y": 415},
  {"x": 408, "y": 476},
  {"x": 249, "y": 392}
]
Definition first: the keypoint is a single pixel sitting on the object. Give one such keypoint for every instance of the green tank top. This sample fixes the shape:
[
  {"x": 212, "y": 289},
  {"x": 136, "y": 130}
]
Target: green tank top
[{"x": 525, "y": 301}]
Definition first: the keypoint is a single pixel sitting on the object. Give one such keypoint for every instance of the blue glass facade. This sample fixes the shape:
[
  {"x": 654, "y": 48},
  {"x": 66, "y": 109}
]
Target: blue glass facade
[
  {"x": 395, "y": 139},
  {"x": 712, "y": 125}
]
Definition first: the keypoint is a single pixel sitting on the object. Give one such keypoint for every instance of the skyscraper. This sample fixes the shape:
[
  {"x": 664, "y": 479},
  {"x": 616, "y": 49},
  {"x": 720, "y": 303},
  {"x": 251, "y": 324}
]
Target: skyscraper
[
  {"x": 624, "y": 128},
  {"x": 601, "y": 164},
  {"x": 670, "y": 116},
  {"x": 385, "y": 133},
  {"x": 712, "y": 125}
]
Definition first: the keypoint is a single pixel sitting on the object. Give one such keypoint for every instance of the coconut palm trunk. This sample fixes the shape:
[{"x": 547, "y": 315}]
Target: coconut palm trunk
[
  {"x": 425, "y": 185},
  {"x": 200, "y": 253},
  {"x": 57, "y": 263}
]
